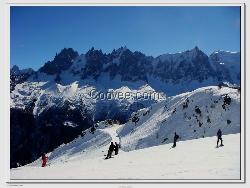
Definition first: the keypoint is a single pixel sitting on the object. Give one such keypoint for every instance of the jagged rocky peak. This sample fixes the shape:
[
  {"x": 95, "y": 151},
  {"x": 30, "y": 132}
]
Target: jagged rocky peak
[
  {"x": 94, "y": 63},
  {"x": 127, "y": 65},
  {"x": 196, "y": 51},
  {"x": 15, "y": 70},
  {"x": 94, "y": 53},
  {"x": 188, "y": 65},
  {"x": 193, "y": 54},
  {"x": 119, "y": 51},
  {"x": 61, "y": 61},
  {"x": 187, "y": 55},
  {"x": 18, "y": 76},
  {"x": 124, "y": 52}
]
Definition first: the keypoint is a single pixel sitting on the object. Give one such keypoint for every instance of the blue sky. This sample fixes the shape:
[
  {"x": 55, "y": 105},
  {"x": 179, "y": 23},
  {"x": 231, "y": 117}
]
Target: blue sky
[{"x": 38, "y": 33}]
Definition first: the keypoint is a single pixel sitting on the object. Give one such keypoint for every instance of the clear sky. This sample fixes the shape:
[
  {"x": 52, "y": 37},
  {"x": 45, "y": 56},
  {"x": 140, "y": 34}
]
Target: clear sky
[{"x": 38, "y": 33}]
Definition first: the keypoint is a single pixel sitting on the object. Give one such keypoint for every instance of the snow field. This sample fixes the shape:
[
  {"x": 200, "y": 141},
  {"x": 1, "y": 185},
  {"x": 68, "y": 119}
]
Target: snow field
[{"x": 192, "y": 159}]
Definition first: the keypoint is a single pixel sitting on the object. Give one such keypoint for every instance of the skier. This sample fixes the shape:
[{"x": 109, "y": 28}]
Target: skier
[
  {"x": 176, "y": 137},
  {"x": 110, "y": 151},
  {"x": 219, "y": 138},
  {"x": 44, "y": 159},
  {"x": 116, "y": 148}
]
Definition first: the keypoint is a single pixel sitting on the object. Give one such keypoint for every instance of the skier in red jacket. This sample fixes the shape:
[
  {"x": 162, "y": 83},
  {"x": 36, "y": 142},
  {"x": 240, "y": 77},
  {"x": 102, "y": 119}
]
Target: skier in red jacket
[{"x": 44, "y": 159}]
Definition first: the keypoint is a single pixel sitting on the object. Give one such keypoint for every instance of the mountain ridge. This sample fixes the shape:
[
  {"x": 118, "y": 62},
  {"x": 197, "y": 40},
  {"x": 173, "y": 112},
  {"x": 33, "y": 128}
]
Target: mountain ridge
[{"x": 135, "y": 66}]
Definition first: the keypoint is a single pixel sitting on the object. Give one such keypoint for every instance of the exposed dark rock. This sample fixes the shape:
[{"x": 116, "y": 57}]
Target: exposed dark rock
[
  {"x": 197, "y": 110},
  {"x": 62, "y": 61}
]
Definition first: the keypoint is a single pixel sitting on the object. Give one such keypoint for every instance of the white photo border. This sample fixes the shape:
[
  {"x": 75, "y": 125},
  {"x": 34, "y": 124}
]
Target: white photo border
[{"x": 5, "y": 110}]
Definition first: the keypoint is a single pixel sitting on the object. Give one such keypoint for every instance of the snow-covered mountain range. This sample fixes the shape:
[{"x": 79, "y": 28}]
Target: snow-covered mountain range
[
  {"x": 64, "y": 97},
  {"x": 123, "y": 66}
]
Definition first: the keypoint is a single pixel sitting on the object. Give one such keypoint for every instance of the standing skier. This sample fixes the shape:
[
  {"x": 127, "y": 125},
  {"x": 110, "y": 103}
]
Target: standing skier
[
  {"x": 44, "y": 159},
  {"x": 110, "y": 151},
  {"x": 219, "y": 138},
  {"x": 116, "y": 148},
  {"x": 176, "y": 137}
]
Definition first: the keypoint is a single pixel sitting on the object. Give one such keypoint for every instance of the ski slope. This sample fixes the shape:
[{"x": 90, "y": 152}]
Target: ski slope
[
  {"x": 89, "y": 145},
  {"x": 192, "y": 115},
  {"x": 192, "y": 159}
]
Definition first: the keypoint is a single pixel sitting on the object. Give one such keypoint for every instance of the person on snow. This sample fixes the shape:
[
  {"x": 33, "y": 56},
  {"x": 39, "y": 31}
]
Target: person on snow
[
  {"x": 44, "y": 159},
  {"x": 176, "y": 137},
  {"x": 219, "y": 138},
  {"x": 110, "y": 151},
  {"x": 116, "y": 148}
]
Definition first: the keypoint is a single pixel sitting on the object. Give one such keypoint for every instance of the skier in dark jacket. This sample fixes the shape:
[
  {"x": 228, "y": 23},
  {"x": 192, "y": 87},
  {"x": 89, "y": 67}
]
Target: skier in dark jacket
[
  {"x": 44, "y": 159},
  {"x": 110, "y": 151},
  {"x": 176, "y": 137},
  {"x": 116, "y": 148},
  {"x": 219, "y": 138}
]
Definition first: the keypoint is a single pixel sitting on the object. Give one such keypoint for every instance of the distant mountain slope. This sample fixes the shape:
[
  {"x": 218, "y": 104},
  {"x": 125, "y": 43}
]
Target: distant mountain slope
[{"x": 227, "y": 64}]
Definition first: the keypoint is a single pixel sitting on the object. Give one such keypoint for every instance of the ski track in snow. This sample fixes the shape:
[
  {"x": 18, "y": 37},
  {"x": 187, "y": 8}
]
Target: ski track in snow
[{"x": 192, "y": 159}]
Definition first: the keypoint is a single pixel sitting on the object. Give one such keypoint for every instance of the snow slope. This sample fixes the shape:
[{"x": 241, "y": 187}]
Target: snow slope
[
  {"x": 192, "y": 159},
  {"x": 145, "y": 146},
  {"x": 192, "y": 115},
  {"x": 87, "y": 145}
]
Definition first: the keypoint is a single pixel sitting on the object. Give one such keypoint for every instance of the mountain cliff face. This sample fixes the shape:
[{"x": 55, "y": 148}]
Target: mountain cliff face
[
  {"x": 65, "y": 96},
  {"x": 190, "y": 65},
  {"x": 61, "y": 62}
]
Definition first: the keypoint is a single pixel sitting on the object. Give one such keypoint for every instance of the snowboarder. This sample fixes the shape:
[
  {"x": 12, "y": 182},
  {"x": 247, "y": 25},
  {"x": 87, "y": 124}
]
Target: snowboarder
[
  {"x": 44, "y": 159},
  {"x": 219, "y": 138},
  {"x": 110, "y": 151},
  {"x": 116, "y": 148},
  {"x": 176, "y": 137}
]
